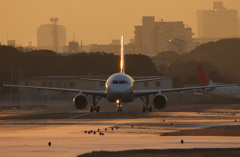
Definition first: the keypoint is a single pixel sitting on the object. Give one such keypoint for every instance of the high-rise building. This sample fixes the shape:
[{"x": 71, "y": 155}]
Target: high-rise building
[
  {"x": 149, "y": 35},
  {"x": 168, "y": 31},
  {"x": 217, "y": 23},
  {"x": 154, "y": 37},
  {"x": 51, "y": 37}
]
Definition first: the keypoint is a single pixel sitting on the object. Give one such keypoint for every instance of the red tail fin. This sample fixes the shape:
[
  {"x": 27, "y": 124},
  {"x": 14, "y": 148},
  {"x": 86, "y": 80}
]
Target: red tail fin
[{"x": 204, "y": 79}]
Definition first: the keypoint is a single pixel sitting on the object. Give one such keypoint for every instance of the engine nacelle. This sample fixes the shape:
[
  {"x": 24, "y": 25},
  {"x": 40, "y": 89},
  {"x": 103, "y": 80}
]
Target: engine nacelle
[
  {"x": 80, "y": 102},
  {"x": 160, "y": 101}
]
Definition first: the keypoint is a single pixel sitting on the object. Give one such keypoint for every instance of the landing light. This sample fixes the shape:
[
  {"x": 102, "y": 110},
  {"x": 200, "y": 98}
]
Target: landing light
[{"x": 117, "y": 101}]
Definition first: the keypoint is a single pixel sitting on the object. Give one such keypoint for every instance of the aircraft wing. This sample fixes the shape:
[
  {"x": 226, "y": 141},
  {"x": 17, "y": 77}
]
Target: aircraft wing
[
  {"x": 91, "y": 79},
  {"x": 145, "y": 80},
  {"x": 135, "y": 81},
  {"x": 98, "y": 93},
  {"x": 149, "y": 92}
]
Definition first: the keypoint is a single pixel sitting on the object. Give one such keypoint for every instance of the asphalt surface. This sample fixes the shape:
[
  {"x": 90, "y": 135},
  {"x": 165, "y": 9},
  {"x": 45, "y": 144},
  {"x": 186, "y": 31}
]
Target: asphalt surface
[{"x": 28, "y": 132}]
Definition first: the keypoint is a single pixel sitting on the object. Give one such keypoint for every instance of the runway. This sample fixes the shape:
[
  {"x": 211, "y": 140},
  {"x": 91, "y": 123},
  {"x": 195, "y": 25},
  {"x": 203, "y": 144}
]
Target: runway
[{"x": 27, "y": 133}]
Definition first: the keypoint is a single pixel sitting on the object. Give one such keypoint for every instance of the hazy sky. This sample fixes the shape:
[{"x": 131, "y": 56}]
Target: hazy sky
[{"x": 95, "y": 21}]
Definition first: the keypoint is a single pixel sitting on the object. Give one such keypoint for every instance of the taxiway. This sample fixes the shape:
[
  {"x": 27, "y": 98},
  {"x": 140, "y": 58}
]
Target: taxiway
[{"x": 27, "y": 133}]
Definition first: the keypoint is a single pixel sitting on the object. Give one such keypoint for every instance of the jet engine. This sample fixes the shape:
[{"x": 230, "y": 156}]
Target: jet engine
[
  {"x": 80, "y": 102},
  {"x": 160, "y": 101}
]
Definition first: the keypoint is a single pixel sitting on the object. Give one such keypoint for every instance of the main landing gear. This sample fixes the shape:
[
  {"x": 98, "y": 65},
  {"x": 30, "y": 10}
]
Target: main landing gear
[
  {"x": 95, "y": 107},
  {"x": 147, "y": 106},
  {"x": 119, "y": 107}
]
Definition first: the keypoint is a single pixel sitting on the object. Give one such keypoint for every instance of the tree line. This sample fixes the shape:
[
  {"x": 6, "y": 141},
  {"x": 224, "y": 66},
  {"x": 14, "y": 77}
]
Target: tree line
[
  {"x": 15, "y": 63},
  {"x": 220, "y": 60}
]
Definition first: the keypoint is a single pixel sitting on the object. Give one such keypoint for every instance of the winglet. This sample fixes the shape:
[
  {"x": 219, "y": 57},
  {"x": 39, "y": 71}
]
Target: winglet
[
  {"x": 122, "y": 56},
  {"x": 204, "y": 79}
]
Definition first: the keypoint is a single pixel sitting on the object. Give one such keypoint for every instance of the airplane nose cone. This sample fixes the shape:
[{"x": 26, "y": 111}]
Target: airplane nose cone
[
  {"x": 124, "y": 93},
  {"x": 118, "y": 89}
]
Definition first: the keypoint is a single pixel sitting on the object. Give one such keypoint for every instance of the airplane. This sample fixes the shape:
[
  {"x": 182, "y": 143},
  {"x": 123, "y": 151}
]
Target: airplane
[
  {"x": 119, "y": 88},
  {"x": 231, "y": 92}
]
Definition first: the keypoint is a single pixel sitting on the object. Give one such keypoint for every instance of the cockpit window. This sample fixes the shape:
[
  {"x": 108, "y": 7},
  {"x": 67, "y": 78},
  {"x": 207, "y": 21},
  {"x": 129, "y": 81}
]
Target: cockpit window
[
  {"x": 115, "y": 82},
  {"x": 122, "y": 82}
]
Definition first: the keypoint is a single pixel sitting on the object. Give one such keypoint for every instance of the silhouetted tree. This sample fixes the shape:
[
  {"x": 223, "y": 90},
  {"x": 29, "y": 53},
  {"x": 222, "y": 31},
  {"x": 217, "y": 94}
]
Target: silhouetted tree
[{"x": 49, "y": 63}]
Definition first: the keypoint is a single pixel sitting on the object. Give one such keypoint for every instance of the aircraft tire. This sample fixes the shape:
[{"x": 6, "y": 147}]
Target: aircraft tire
[
  {"x": 150, "y": 109},
  {"x": 91, "y": 109},
  {"x": 97, "y": 108}
]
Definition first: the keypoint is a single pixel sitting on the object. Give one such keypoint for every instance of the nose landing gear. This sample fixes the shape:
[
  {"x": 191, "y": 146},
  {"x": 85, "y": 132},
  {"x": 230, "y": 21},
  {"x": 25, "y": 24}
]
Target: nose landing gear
[{"x": 119, "y": 107}]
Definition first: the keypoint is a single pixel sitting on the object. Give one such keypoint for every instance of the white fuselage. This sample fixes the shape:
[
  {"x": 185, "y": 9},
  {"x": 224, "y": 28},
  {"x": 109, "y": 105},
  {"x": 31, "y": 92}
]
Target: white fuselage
[
  {"x": 119, "y": 87},
  {"x": 232, "y": 92}
]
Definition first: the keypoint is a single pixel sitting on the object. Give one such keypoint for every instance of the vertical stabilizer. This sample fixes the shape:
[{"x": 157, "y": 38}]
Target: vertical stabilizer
[
  {"x": 122, "y": 55},
  {"x": 204, "y": 79}
]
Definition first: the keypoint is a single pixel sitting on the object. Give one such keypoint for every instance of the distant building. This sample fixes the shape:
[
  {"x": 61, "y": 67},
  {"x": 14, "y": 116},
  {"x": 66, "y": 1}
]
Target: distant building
[
  {"x": 149, "y": 35},
  {"x": 11, "y": 43},
  {"x": 114, "y": 47},
  {"x": 238, "y": 27},
  {"x": 116, "y": 42},
  {"x": 93, "y": 48},
  {"x": 170, "y": 31},
  {"x": 178, "y": 45},
  {"x": 29, "y": 47},
  {"x": 218, "y": 23},
  {"x": 138, "y": 38},
  {"x": 51, "y": 37},
  {"x": 73, "y": 46},
  {"x": 153, "y": 37}
]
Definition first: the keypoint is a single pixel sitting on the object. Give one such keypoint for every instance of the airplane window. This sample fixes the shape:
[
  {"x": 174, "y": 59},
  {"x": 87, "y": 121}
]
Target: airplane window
[{"x": 115, "y": 82}]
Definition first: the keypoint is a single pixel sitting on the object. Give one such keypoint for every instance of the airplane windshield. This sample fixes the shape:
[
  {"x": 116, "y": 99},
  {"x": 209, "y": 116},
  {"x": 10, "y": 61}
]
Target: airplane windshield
[
  {"x": 120, "y": 82},
  {"x": 115, "y": 82}
]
